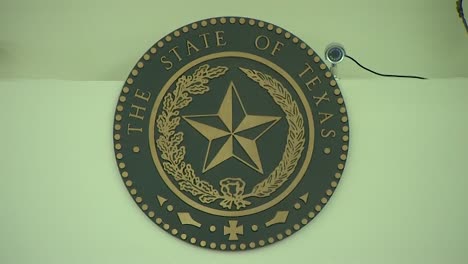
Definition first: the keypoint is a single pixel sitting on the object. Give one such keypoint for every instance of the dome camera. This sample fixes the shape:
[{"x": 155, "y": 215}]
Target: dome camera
[{"x": 335, "y": 53}]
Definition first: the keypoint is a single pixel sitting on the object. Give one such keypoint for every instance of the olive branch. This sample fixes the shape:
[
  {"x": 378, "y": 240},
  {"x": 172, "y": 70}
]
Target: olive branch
[{"x": 169, "y": 141}]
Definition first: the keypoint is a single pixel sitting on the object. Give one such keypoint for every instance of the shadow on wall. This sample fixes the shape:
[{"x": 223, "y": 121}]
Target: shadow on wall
[
  {"x": 6, "y": 59},
  {"x": 13, "y": 61}
]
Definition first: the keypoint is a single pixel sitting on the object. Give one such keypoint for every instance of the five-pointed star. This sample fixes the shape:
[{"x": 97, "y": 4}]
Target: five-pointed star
[{"x": 239, "y": 129}]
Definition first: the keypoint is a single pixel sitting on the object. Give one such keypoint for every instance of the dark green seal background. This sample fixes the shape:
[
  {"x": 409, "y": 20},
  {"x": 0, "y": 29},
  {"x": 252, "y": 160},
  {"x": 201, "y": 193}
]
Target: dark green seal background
[
  {"x": 319, "y": 182},
  {"x": 256, "y": 101}
]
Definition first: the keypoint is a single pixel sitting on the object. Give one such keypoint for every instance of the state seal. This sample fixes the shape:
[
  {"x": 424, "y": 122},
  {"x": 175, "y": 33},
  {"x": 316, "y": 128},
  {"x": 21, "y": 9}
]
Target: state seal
[{"x": 231, "y": 134}]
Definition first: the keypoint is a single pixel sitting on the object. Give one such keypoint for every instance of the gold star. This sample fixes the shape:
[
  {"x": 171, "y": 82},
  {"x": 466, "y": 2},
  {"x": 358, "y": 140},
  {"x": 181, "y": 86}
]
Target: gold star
[{"x": 237, "y": 128}]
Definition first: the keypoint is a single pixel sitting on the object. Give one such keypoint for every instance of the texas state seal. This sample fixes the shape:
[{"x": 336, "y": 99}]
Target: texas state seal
[{"x": 231, "y": 134}]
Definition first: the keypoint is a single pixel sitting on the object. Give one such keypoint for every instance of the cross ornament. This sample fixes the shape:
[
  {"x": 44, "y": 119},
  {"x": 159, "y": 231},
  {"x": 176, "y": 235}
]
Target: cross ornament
[{"x": 233, "y": 230}]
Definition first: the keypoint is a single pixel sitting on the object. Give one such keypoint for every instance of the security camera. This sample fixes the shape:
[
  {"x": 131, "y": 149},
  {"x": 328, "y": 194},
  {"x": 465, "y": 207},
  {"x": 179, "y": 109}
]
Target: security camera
[{"x": 335, "y": 53}]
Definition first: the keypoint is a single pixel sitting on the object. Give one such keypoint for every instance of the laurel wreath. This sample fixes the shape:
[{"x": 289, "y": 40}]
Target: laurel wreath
[{"x": 173, "y": 154}]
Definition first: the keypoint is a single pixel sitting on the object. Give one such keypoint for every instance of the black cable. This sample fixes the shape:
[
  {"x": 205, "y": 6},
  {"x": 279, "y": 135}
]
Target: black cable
[
  {"x": 461, "y": 13},
  {"x": 384, "y": 75}
]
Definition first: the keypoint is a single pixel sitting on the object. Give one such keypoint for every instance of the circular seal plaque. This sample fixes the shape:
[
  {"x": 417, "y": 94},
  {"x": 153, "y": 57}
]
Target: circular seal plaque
[{"x": 231, "y": 133}]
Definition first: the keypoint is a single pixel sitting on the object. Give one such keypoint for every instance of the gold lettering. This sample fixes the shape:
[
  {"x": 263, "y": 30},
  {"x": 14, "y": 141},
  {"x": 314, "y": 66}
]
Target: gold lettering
[
  {"x": 131, "y": 129},
  {"x": 257, "y": 42},
  {"x": 313, "y": 80},
  {"x": 326, "y": 133},
  {"x": 326, "y": 117},
  {"x": 205, "y": 39},
  {"x": 321, "y": 98},
  {"x": 262, "y": 42},
  {"x": 308, "y": 68},
  {"x": 190, "y": 46},
  {"x": 219, "y": 38},
  {"x": 276, "y": 48},
  {"x": 174, "y": 50},
  {"x": 137, "y": 113},
  {"x": 316, "y": 78},
  {"x": 142, "y": 95},
  {"x": 167, "y": 62}
]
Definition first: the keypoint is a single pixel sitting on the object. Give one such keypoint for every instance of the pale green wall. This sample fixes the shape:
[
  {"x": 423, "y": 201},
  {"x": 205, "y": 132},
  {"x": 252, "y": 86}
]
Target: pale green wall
[
  {"x": 101, "y": 40},
  {"x": 403, "y": 195},
  {"x": 402, "y": 199}
]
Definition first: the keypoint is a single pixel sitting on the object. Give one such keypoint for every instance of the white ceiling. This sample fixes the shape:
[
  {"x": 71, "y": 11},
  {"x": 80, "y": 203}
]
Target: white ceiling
[{"x": 102, "y": 40}]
